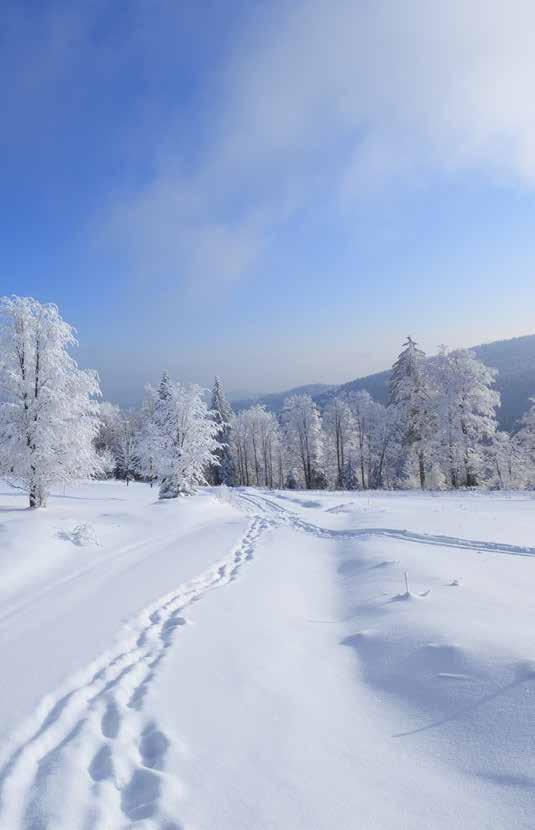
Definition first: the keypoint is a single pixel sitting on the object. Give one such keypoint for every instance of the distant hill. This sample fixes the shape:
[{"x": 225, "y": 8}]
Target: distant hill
[
  {"x": 514, "y": 359},
  {"x": 275, "y": 400}
]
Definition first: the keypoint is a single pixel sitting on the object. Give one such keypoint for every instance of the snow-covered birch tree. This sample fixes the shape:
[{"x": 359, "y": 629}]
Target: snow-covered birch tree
[
  {"x": 240, "y": 447},
  {"x": 48, "y": 411},
  {"x": 339, "y": 426},
  {"x": 256, "y": 447},
  {"x": 147, "y": 439},
  {"x": 304, "y": 438},
  {"x": 517, "y": 452}
]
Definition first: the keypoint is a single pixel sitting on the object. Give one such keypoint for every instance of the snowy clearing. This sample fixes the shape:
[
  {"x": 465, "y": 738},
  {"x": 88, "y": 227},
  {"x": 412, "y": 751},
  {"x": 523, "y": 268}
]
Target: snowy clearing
[{"x": 252, "y": 659}]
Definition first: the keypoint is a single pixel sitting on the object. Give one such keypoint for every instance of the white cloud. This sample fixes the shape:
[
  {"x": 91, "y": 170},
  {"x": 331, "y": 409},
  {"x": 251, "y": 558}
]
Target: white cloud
[{"x": 388, "y": 90}]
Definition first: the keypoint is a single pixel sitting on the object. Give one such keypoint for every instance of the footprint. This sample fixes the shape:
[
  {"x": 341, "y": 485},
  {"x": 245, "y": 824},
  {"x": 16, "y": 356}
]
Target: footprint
[
  {"x": 136, "y": 698},
  {"x": 101, "y": 766},
  {"x": 109, "y": 725},
  {"x": 168, "y": 629},
  {"x": 153, "y": 747},
  {"x": 140, "y": 797}
]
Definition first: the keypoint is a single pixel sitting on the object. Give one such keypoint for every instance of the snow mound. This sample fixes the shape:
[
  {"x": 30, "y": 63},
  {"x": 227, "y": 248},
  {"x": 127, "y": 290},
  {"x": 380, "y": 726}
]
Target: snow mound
[
  {"x": 82, "y": 535},
  {"x": 407, "y": 596},
  {"x": 342, "y": 508}
]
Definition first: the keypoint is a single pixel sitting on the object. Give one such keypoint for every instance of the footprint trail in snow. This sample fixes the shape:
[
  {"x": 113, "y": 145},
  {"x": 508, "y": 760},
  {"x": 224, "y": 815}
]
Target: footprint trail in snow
[{"x": 91, "y": 757}]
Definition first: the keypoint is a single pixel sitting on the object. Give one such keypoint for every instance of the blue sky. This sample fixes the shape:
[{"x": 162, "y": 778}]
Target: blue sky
[{"x": 277, "y": 192}]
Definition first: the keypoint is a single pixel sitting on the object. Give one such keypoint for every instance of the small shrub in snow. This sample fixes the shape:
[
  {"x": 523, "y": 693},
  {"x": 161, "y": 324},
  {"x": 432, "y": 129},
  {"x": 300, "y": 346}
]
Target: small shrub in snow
[{"x": 82, "y": 535}]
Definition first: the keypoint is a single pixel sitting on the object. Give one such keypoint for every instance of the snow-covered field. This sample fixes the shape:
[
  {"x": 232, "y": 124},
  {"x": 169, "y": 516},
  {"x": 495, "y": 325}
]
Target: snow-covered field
[{"x": 253, "y": 660}]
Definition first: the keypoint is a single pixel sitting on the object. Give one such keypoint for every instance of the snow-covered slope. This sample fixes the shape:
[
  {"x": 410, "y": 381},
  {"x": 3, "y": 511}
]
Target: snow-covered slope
[{"x": 254, "y": 660}]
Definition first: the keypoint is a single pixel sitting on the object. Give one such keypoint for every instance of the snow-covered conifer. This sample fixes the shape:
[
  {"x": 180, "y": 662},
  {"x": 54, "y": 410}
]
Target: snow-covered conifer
[
  {"x": 221, "y": 411},
  {"x": 126, "y": 442},
  {"x": 185, "y": 438}
]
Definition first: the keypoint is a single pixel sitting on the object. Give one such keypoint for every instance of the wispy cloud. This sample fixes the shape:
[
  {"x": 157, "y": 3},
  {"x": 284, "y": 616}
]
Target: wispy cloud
[{"x": 378, "y": 93}]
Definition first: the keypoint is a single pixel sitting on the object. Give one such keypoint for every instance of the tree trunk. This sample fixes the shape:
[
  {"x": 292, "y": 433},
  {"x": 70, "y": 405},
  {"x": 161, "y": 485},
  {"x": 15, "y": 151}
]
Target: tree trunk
[
  {"x": 421, "y": 466},
  {"x": 37, "y": 496},
  {"x": 169, "y": 488}
]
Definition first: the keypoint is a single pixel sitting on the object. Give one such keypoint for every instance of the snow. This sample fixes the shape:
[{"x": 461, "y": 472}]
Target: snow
[{"x": 251, "y": 659}]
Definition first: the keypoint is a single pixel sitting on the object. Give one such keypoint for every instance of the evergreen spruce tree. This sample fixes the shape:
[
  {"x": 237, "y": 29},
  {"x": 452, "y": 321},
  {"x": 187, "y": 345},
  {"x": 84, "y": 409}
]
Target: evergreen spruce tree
[
  {"x": 291, "y": 481},
  {"x": 163, "y": 424},
  {"x": 184, "y": 439},
  {"x": 349, "y": 479},
  {"x": 221, "y": 412}
]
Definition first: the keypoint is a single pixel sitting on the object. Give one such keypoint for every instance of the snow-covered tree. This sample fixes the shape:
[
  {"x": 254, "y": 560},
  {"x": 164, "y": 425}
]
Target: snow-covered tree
[
  {"x": 118, "y": 439},
  {"x": 304, "y": 437},
  {"x": 48, "y": 411},
  {"x": 240, "y": 447},
  {"x": 269, "y": 439},
  {"x": 511, "y": 461},
  {"x": 147, "y": 438},
  {"x": 375, "y": 441},
  {"x": 515, "y": 454},
  {"x": 349, "y": 479},
  {"x": 185, "y": 438},
  {"x": 223, "y": 472},
  {"x": 466, "y": 414},
  {"x": 411, "y": 395},
  {"x": 386, "y": 448},
  {"x": 280, "y": 459},
  {"x": 105, "y": 440},
  {"x": 339, "y": 426},
  {"x": 256, "y": 447},
  {"x": 126, "y": 443}
]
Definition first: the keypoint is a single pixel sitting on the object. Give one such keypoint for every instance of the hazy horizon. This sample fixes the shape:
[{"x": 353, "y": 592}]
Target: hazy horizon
[{"x": 132, "y": 396}]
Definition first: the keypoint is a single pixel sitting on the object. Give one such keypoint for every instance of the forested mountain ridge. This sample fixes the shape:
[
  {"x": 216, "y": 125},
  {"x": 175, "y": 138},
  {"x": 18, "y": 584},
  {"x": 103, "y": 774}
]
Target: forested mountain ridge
[
  {"x": 274, "y": 400},
  {"x": 514, "y": 359}
]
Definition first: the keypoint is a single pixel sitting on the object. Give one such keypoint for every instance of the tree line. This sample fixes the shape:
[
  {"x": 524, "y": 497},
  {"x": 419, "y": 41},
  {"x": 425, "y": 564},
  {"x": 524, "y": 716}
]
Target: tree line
[{"x": 438, "y": 431}]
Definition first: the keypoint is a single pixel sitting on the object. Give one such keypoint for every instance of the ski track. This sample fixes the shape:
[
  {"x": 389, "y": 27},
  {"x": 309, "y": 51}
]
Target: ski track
[
  {"x": 93, "y": 738},
  {"x": 283, "y": 516}
]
